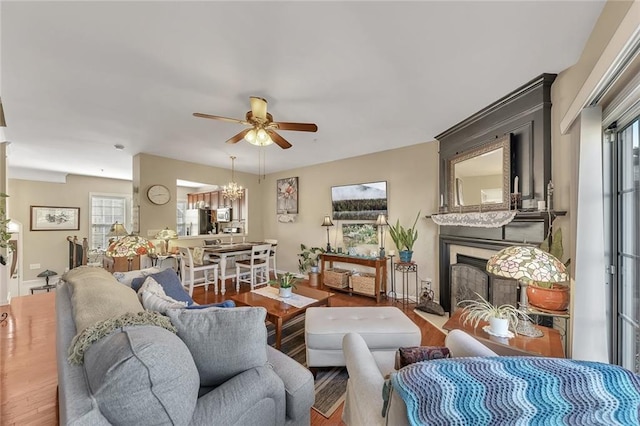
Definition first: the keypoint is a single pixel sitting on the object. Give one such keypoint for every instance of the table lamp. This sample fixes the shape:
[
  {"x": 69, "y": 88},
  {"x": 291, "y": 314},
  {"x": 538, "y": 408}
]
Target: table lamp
[
  {"x": 381, "y": 222},
  {"x": 130, "y": 247},
  {"x": 166, "y": 234},
  {"x": 327, "y": 222},
  {"x": 46, "y": 274},
  {"x": 116, "y": 231},
  {"x": 526, "y": 264}
]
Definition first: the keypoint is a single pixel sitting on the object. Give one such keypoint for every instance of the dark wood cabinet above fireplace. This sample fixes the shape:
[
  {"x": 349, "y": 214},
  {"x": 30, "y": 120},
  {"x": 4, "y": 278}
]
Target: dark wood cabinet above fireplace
[{"x": 525, "y": 115}]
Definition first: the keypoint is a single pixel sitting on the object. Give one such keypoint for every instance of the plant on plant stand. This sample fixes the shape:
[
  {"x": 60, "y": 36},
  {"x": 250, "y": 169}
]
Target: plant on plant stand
[
  {"x": 308, "y": 258},
  {"x": 404, "y": 238},
  {"x": 500, "y": 318},
  {"x": 286, "y": 284}
]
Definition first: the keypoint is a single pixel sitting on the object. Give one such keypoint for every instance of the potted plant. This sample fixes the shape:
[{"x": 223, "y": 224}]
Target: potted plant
[
  {"x": 404, "y": 238},
  {"x": 500, "y": 318},
  {"x": 309, "y": 257},
  {"x": 286, "y": 283},
  {"x": 546, "y": 295}
]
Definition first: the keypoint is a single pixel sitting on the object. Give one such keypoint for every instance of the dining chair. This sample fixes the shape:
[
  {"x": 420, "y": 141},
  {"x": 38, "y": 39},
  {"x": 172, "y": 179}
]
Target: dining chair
[
  {"x": 272, "y": 255},
  {"x": 255, "y": 270},
  {"x": 188, "y": 270}
]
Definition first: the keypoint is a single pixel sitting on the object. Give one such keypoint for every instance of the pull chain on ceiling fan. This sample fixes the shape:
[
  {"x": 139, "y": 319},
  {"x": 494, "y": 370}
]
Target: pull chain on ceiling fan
[{"x": 262, "y": 131}]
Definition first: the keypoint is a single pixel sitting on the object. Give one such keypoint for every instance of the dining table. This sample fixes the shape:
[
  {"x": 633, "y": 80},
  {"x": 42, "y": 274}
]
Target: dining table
[{"x": 226, "y": 252}]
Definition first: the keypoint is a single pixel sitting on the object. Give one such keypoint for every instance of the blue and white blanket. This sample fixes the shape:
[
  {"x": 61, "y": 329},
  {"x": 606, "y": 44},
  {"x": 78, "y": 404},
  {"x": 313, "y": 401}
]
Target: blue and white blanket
[{"x": 518, "y": 391}]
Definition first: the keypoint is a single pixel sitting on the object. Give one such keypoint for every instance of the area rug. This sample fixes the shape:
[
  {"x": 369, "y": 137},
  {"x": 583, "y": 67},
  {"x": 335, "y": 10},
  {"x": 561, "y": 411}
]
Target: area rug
[{"x": 330, "y": 384}]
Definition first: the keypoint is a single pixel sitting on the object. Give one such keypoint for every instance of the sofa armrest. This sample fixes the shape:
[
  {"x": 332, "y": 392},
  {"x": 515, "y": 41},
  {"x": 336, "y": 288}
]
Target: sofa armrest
[
  {"x": 255, "y": 396},
  {"x": 363, "y": 404},
  {"x": 462, "y": 344},
  {"x": 298, "y": 385}
]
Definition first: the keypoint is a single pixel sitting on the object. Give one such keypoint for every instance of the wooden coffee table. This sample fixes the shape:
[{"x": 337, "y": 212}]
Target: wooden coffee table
[{"x": 280, "y": 312}]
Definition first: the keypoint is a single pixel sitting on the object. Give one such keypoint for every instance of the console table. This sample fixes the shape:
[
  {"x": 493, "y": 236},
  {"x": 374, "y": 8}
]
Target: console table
[{"x": 380, "y": 266}]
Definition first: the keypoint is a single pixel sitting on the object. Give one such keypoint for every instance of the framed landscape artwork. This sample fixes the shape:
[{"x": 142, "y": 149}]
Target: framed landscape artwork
[
  {"x": 287, "y": 195},
  {"x": 46, "y": 218},
  {"x": 364, "y": 201}
]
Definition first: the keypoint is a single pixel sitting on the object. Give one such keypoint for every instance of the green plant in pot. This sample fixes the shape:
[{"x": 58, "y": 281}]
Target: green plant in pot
[
  {"x": 500, "y": 318},
  {"x": 404, "y": 238},
  {"x": 286, "y": 283},
  {"x": 309, "y": 258}
]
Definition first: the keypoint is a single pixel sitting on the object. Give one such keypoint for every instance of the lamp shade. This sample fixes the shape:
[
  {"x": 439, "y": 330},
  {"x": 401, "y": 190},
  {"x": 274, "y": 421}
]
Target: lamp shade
[
  {"x": 130, "y": 246},
  {"x": 117, "y": 230},
  {"x": 47, "y": 273},
  {"x": 527, "y": 263},
  {"x": 327, "y": 221},
  {"x": 381, "y": 220},
  {"x": 167, "y": 234}
]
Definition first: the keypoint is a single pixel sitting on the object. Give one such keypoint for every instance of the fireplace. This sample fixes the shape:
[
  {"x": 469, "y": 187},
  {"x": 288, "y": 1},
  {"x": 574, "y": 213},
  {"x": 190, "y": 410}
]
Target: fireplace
[{"x": 468, "y": 277}]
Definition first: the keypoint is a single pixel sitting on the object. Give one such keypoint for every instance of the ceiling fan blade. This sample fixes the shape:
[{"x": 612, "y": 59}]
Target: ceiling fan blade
[
  {"x": 282, "y": 142},
  {"x": 259, "y": 107},
  {"x": 300, "y": 127},
  {"x": 217, "y": 117},
  {"x": 237, "y": 138}
]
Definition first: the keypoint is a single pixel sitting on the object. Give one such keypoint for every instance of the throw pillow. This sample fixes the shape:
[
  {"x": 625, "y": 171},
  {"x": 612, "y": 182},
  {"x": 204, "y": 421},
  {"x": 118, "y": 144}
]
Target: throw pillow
[
  {"x": 223, "y": 342},
  {"x": 141, "y": 375},
  {"x": 127, "y": 278},
  {"x": 160, "y": 303},
  {"x": 413, "y": 354},
  {"x": 170, "y": 283},
  {"x": 225, "y": 304}
]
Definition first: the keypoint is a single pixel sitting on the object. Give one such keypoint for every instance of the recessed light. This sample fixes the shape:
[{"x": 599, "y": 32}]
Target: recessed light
[{"x": 119, "y": 147}]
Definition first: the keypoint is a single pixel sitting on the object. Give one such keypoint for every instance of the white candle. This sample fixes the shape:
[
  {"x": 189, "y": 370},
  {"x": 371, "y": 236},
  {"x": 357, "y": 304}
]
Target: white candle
[
  {"x": 441, "y": 200},
  {"x": 392, "y": 252},
  {"x": 515, "y": 185}
]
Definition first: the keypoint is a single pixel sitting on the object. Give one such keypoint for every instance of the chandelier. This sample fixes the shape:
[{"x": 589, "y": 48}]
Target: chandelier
[{"x": 232, "y": 191}]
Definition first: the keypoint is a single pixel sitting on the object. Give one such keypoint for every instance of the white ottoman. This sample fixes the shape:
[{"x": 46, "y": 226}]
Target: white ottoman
[{"x": 384, "y": 329}]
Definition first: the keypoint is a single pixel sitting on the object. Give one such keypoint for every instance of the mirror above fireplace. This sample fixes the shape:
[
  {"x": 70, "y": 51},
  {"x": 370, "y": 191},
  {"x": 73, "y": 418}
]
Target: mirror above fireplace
[{"x": 480, "y": 178}]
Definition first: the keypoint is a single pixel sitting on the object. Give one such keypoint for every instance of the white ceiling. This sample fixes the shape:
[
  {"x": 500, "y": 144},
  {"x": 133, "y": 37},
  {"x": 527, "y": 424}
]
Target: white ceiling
[{"x": 79, "y": 77}]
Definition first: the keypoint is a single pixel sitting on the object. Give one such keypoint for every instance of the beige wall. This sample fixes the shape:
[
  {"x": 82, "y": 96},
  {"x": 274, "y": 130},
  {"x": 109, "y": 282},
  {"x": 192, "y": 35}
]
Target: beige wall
[
  {"x": 412, "y": 185},
  {"x": 411, "y": 174},
  {"x": 563, "y": 92},
  {"x": 50, "y": 248}
]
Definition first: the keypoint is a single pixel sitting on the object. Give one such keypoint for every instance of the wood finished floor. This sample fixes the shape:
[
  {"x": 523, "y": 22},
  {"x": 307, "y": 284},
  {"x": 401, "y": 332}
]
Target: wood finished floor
[{"x": 28, "y": 373}]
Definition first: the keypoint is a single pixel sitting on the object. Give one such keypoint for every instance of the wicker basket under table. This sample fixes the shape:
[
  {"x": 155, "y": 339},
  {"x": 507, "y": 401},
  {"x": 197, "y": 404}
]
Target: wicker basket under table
[
  {"x": 336, "y": 278},
  {"x": 364, "y": 282}
]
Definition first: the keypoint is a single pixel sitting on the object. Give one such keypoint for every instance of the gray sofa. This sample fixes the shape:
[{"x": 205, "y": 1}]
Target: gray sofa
[{"x": 145, "y": 374}]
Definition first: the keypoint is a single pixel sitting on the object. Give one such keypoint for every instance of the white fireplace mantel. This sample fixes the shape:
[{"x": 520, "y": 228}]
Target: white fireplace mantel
[{"x": 490, "y": 219}]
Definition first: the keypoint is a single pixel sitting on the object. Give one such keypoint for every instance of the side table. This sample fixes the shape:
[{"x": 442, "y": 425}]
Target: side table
[{"x": 406, "y": 269}]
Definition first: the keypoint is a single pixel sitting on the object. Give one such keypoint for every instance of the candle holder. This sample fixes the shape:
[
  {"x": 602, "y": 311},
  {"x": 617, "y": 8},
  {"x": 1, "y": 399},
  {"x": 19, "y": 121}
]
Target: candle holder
[{"x": 516, "y": 201}]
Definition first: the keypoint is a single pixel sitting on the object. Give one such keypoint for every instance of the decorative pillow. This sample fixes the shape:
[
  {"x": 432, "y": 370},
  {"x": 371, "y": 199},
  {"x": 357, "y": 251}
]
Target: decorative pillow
[
  {"x": 222, "y": 342},
  {"x": 170, "y": 283},
  {"x": 413, "y": 354},
  {"x": 225, "y": 304},
  {"x": 198, "y": 255},
  {"x": 160, "y": 303},
  {"x": 127, "y": 278},
  {"x": 96, "y": 296},
  {"x": 142, "y": 374}
]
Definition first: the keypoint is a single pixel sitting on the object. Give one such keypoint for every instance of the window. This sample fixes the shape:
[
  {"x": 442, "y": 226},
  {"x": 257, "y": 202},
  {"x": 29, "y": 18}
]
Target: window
[
  {"x": 181, "y": 222},
  {"x": 625, "y": 229},
  {"x": 106, "y": 209}
]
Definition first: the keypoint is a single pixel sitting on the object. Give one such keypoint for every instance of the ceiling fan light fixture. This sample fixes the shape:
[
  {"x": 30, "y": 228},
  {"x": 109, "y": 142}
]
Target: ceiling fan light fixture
[{"x": 251, "y": 136}]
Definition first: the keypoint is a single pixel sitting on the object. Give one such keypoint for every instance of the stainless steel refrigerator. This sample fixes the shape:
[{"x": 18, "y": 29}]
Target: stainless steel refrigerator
[{"x": 198, "y": 221}]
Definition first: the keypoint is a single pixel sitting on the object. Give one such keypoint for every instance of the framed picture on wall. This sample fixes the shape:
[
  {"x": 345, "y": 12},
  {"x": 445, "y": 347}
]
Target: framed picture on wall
[
  {"x": 46, "y": 218},
  {"x": 287, "y": 196}
]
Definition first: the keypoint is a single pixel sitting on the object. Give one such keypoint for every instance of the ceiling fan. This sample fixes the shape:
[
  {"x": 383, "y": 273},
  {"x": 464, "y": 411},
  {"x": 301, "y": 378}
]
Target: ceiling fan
[{"x": 261, "y": 131}]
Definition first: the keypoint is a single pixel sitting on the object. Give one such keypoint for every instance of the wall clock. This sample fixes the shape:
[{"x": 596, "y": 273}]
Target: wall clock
[{"x": 158, "y": 194}]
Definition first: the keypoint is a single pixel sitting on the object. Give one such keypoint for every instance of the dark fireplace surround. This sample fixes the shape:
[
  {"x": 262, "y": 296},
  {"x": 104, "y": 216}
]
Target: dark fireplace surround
[{"x": 525, "y": 113}]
